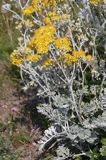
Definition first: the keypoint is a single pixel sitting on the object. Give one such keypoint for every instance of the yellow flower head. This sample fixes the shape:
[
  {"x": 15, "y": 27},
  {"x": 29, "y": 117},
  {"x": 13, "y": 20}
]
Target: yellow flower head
[
  {"x": 89, "y": 57},
  {"x": 32, "y": 58},
  {"x": 79, "y": 54},
  {"x": 47, "y": 62},
  {"x": 50, "y": 3},
  {"x": 28, "y": 11},
  {"x": 47, "y": 20},
  {"x": 69, "y": 59},
  {"x": 31, "y": 8},
  {"x": 15, "y": 59}
]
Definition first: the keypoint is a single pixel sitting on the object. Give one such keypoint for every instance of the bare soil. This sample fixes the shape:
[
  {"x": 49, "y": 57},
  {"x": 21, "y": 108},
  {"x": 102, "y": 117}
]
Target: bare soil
[{"x": 11, "y": 104}]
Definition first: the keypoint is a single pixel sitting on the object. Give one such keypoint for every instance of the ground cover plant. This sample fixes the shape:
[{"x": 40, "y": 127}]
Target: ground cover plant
[{"x": 61, "y": 54}]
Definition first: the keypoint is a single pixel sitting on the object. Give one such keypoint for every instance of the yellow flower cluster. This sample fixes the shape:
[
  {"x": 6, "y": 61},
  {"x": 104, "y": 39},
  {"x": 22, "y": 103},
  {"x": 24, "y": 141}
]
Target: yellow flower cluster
[
  {"x": 17, "y": 60},
  {"x": 75, "y": 56},
  {"x": 95, "y": 1},
  {"x": 23, "y": 54},
  {"x": 53, "y": 16},
  {"x": 46, "y": 35},
  {"x": 67, "y": 59},
  {"x": 62, "y": 44},
  {"x": 81, "y": 54},
  {"x": 46, "y": 3},
  {"x": 42, "y": 37},
  {"x": 38, "y": 5}
]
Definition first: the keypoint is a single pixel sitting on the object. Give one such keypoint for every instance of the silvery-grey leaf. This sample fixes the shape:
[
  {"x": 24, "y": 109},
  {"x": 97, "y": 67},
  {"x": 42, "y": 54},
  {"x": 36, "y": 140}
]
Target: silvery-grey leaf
[{"x": 62, "y": 153}]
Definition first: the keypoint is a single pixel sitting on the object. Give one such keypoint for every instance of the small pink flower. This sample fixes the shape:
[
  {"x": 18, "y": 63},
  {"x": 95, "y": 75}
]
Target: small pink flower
[{"x": 14, "y": 109}]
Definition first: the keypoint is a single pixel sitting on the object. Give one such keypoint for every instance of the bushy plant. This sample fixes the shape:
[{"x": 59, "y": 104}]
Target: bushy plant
[{"x": 61, "y": 54}]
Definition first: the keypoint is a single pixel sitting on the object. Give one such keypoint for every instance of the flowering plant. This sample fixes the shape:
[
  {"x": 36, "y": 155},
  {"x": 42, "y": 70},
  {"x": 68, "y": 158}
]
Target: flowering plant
[{"x": 59, "y": 51}]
